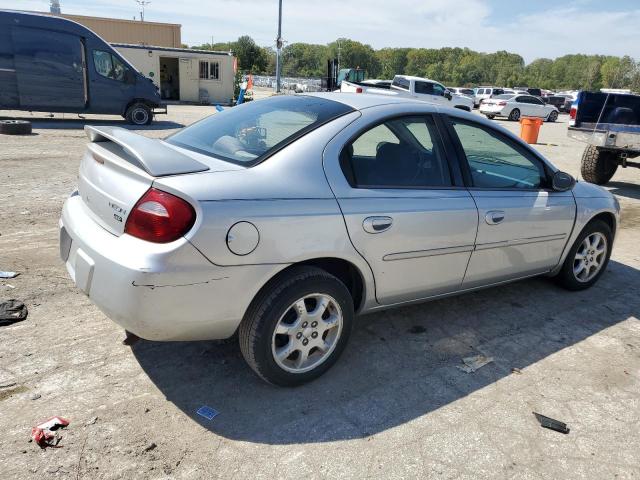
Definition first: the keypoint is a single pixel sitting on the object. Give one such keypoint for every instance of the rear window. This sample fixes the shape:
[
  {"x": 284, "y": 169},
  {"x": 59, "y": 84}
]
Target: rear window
[
  {"x": 466, "y": 91},
  {"x": 401, "y": 82},
  {"x": 505, "y": 96},
  {"x": 249, "y": 133}
]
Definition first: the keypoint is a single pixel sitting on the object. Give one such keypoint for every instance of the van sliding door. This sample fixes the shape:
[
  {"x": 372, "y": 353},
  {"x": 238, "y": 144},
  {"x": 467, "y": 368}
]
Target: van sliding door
[{"x": 49, "y": 69}]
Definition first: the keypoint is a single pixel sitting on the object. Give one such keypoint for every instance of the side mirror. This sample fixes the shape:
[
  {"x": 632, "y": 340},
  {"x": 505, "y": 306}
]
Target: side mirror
[
  {"x": 447, "y": 95},
  {"x": 562, "y": 182}
]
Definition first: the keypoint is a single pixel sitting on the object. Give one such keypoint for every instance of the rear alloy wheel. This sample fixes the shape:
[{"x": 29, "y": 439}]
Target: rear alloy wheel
[
  {"x": 15, "y": 127},
  {"x": 296, "y": 329},
  {"x": 514, "y": 116},
  {"x": 553, "y": 116},
  {"x": 588, "y": 258},
  {"x": 139, "y": 114}
]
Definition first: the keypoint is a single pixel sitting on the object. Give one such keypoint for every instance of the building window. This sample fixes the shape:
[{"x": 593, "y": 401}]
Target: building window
[
  {"x": 204, "y": 70},
  {"x": 214, "y": 71},
  {"x": 209, "y": 70}
]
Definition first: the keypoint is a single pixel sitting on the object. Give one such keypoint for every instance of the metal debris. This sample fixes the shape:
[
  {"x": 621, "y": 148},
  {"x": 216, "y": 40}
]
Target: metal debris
[
  {"x": 552, "y": 424},
  {"x": 471, "y": 364},
  {"x": 8, "y": 274}
]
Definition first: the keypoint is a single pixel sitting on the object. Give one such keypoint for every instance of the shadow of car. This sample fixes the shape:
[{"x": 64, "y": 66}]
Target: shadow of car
[{"x": 388, "y": 375}]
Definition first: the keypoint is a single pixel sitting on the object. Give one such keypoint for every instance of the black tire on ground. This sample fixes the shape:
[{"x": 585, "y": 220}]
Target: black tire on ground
[
  {"x": 553, "y": 116},
  {"x": 15, "y": 127},
  {"x": 256, "y": 332},
  {"x": 491, "y": 117},
  {"x": 514, "y": 116},
  {"x": 139, "y": 114},
  {"x": 598, "y": 166},
  {"x": 566, "y": 277}
]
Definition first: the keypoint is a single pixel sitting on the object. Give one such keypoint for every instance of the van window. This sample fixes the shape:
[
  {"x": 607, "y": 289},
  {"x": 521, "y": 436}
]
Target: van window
[{"x": 108, "y": 65}]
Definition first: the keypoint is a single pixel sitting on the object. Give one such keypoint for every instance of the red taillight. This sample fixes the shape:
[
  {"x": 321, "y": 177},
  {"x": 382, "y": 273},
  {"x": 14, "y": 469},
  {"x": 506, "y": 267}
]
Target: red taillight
[
  {"x": 572, "y": 113},
  {"x": 502, "y": 104},
  {"x": 160, "y": 217},
  {"x": 358, "y": 89}
]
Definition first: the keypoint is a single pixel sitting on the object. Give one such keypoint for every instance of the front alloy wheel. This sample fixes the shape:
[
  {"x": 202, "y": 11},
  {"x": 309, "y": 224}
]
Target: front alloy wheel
[{"x": 588, "y": 257}]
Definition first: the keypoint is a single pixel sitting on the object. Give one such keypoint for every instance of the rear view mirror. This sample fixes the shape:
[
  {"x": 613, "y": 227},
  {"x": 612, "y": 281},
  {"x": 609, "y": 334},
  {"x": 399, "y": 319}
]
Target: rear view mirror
[{"x": 561, "y": 181}]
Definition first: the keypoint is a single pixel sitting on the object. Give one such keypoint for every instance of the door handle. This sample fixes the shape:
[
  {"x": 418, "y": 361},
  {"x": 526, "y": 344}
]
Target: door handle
[
  {"x": 377, "y": 224},
  {"x": 494, "y": 217}
]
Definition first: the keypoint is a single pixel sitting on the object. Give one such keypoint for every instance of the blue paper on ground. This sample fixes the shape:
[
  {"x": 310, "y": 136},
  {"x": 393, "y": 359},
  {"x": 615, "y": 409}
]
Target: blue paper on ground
[{"x": 207, "y": 412}]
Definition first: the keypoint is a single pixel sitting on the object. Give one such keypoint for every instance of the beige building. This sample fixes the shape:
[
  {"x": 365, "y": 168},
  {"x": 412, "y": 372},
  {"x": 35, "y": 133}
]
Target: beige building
[
  {"x": 184, "y": 74},
  {"x": 130, "y": 31}
]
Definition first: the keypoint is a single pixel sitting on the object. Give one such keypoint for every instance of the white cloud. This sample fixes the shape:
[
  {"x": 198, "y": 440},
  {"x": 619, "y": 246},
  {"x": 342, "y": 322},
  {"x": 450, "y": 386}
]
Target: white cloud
[{"x": 381, "y": 23}]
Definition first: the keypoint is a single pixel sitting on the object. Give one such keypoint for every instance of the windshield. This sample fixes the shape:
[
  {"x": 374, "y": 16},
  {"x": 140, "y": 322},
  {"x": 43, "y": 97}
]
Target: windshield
[{"x": 248, "y": 133}]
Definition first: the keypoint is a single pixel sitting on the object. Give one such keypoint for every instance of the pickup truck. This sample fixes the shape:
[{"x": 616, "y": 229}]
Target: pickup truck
[
  {"x": 610, "y": 124},
  {"x": 412, "y": 87}
]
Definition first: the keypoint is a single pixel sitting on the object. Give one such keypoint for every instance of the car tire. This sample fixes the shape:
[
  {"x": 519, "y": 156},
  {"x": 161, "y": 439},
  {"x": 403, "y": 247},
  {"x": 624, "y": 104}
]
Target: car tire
[
  {"x": 570, "y": 275},
  {"x": 553, "y": 116},
  {"x": 139, "y": 114},
  {"x": 598, "y": 166},
  {"x": 291, "y": 304},
  {"x": 15, "y": 127},
  {"x": 491, "y": 117},
  {"x": 514, "y": 116}
]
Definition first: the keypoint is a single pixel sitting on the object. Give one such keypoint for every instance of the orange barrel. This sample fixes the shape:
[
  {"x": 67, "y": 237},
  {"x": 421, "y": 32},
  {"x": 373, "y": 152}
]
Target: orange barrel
[{"x": 530, "y": 128}]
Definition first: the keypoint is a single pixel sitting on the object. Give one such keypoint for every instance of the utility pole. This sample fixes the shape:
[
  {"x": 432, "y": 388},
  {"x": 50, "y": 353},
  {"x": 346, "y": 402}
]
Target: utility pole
[
  {"x": 142, "y": 3},
  {"x": 278, "y": 46}
]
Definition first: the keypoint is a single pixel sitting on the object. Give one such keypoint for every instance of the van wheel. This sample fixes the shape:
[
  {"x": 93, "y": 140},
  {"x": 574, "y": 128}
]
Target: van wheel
[
  {"x": 588, "y": 258},
  {"x": 598, "y": 166},
  {"x": 514, "y": 115},
  {"x": 139, "y": 114},
  {"x": 15, "y": 127},
  {"x": 296, "y": 329}
]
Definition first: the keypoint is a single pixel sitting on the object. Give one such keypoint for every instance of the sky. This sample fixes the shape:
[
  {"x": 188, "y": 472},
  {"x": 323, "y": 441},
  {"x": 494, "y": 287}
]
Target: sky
[{"x": 533, "y": 29}]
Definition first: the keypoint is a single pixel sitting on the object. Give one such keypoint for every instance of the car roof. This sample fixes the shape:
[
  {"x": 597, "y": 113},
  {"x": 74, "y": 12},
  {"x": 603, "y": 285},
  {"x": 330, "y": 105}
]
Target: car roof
[
  {"x": 420, "y": 79},
  {"x": 359, "y": 101}
]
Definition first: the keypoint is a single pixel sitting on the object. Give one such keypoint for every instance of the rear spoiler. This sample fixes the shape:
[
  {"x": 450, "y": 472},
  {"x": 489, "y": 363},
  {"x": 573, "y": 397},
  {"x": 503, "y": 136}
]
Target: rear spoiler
[{"x": 152, "y": 155}]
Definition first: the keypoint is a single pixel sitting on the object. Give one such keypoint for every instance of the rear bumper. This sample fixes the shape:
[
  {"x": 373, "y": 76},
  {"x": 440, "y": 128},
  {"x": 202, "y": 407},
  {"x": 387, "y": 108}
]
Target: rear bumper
[
  {"x": 156, "y": 291},
  {"x": 489, "y": 110}
]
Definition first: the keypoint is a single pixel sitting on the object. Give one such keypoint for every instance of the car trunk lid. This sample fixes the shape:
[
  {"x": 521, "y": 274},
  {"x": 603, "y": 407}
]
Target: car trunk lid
[{"x": 119, "y": 166}]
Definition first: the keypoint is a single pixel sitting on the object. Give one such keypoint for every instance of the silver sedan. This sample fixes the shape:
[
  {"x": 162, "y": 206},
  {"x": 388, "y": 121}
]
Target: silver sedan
[{"x": 281, "y": 219}]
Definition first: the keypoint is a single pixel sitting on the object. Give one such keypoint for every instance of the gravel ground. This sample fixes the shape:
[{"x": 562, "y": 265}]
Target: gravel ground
[{"x": 395, "y": 406}]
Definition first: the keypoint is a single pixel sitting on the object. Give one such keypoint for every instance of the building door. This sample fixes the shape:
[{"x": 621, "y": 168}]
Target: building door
[
  {"x": 169, "y": 78},
  {"x": 188, "y": 78},
  {"x": 50, "y": 69}
]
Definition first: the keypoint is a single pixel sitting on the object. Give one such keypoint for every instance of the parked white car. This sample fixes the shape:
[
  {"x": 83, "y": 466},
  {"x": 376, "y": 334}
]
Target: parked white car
[
  {"x": 515, "y": 106},
  {"x": 484, "y": 93}
]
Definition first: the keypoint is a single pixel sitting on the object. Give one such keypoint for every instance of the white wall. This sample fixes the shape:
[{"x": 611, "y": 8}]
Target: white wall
[{"x": 147, "y": 61}]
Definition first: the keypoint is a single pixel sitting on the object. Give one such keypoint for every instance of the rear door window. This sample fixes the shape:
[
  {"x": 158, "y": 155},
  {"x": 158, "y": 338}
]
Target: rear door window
[
  {"x": 402, "y": 152},
  {"x": 401, "y": 83}
]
